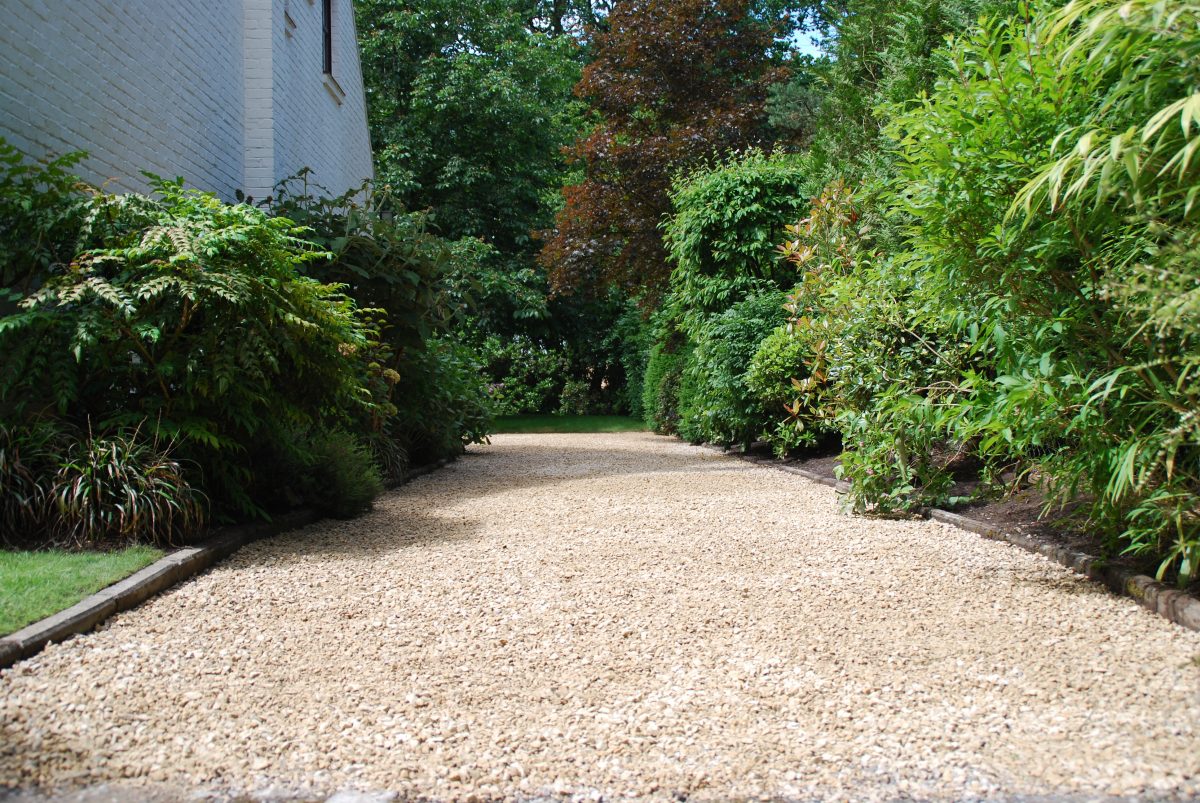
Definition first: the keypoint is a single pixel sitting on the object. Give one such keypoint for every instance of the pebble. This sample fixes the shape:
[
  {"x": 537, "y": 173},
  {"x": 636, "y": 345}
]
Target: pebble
[{"x": 590, "y": 617}]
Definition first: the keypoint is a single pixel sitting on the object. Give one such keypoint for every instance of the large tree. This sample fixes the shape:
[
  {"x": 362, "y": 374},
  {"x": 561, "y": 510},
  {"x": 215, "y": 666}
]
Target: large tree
[
  {"x": 470, "y": 106},
  {"x": 672, "y": 82}
]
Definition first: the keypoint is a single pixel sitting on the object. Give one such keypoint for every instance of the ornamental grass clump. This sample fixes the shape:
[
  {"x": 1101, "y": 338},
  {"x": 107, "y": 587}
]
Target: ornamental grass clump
[{"x": 120, "y": 489}]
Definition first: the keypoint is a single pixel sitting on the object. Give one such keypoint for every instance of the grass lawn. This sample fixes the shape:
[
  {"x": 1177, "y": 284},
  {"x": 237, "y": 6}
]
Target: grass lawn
[
  {"x": 34, "y": 585},
  {"x": 568, "y": 423}
]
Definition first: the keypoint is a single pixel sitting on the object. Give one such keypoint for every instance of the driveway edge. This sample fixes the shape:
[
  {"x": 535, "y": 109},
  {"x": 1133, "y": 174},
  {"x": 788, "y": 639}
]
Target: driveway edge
[
  {"x": 1170, "y": 603},
  {"x": 164, "y": 573}
]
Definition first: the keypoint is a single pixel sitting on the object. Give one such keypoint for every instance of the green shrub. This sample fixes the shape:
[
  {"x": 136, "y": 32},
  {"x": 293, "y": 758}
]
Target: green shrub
[
  {"x": 526, "y": 376},
  {"x": 28, "y": 459},
  {"x": 420, "y": 287},
  {"x": 779, "y": 378},
  {"x": 388, "y": 454},
  {"x": 721, "y": 238},
  {"x": 447, "y": 399},
  {"x": 340, "y": 476},
  {"x": 661, "y": 386},
  {"x": 716, "y": 404},
  {"x": 1122, "y": 182},
  {"x": 575, "y": 398},
  {"x": 190, "y": 314},
  {"x": 1034, "y": 309},
  {"x": 872, "y": 364},
  {"x": 41, "y": 211},
  {"x": 630, "y": 339}
]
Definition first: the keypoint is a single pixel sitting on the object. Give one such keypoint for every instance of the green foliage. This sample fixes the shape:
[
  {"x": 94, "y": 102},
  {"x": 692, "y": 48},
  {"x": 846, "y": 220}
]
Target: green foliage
[
  {"x": 722, "y": 236},
  {"x": 1015, "y": 287},
  {"x": 384, "y": 259},
  {"x": 139, "y": 327},
  {"x": 880, "y": 52},
  {"x": 630, "y": 340},
  {"x": 716, "y": 403},
  {"x": 775, "y": 379},
  {"x": 118, "y": 489},
  {"x": 418, "y": 287},
  {"x": 574, "y": 398},
  {"x": 28, "y": 458},
  {"x": 469, "y": 107},
  {"x": 235, "y": 337},
  {"x": 660, "y": 388},
  {"x": 780, "y": 359},
  {"x": 529, "y": 377},
  {"x": 449, "y": 408},
  {"x": 340, "y": 475},
  {"x": 41, "y": 210},
  {"x": 1124, "y": 179},
  {"x": 793, "y": 106}
]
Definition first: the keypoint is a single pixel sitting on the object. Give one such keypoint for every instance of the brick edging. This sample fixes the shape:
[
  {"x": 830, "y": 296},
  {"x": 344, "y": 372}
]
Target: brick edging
[
  {"x": 157, "y": 577},
  {"x": 1170, "y": 603}
]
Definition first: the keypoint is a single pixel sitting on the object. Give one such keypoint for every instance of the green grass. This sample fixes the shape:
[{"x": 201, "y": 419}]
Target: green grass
[
  {"x": 34, "y": 585},
  {"x": 568, "y": 423}
]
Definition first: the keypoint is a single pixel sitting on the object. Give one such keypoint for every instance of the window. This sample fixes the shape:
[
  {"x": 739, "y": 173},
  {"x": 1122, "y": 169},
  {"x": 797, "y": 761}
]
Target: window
[{"x": 327, "y": 36}]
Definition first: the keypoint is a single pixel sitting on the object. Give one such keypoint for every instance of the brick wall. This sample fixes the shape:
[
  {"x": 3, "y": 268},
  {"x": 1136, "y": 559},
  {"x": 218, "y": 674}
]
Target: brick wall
[
  {"x": 319, "y": 123},
  {"x": 140, "y": 84},
  {"x": 226, "y": 93}
]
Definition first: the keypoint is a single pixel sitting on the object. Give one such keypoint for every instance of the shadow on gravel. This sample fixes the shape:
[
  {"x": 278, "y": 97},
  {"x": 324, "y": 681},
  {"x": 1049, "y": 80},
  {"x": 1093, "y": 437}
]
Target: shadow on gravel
[
  {"x": 403, "y": 518},
  {"x": 483, "y": 471},
  {"x": 376, "y": 534}
]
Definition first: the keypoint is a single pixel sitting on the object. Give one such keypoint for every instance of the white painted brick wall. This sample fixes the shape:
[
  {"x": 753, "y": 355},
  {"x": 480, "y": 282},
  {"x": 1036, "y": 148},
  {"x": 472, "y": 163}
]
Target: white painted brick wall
[
  {"x": 312, "y": 128},
  {"x": 140, "y": 84},
  {"x": 215, "y": 92}
]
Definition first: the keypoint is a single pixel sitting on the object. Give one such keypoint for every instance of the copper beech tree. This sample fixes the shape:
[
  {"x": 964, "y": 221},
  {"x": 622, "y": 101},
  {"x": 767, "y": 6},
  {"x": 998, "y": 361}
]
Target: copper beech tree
[{"x": 673, "y": 82}]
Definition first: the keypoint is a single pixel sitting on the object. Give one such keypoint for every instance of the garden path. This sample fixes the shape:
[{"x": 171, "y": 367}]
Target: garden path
[{"x": 611, "y": 615}]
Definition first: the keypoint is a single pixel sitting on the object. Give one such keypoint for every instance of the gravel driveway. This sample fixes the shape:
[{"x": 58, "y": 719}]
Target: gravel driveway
[{"x": 618, "y": 615}]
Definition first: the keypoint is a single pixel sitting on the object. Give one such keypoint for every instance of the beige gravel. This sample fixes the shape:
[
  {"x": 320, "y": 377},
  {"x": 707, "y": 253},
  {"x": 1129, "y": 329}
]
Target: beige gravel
[{"x": 619, "y": 615}]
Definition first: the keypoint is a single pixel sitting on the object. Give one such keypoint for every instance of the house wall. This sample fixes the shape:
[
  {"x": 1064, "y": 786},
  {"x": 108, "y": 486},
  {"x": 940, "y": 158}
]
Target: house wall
[
  {"x": 151, "y": 85},
  {"x": 227, "y": 93},
  {"x": 319, "y": 123}
]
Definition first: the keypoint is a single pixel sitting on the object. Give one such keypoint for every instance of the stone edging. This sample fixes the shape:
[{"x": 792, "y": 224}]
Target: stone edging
[
  {"x": 1177, "y": 606},
  {"x": 155, "y": 578}
]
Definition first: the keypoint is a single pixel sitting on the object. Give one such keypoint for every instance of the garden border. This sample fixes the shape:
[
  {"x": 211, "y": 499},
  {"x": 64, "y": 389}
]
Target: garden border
[
  {"x": 164, "y": 573},
  {"x": 1172, "y": 604}
]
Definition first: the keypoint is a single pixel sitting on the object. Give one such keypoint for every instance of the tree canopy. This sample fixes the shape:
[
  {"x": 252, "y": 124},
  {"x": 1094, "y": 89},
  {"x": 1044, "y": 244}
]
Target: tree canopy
[{"x": 671, "y": 82}]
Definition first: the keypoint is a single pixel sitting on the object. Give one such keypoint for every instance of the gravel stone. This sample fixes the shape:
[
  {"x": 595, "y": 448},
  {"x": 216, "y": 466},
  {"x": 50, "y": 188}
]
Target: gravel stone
[{"x": 618, "y": 616}]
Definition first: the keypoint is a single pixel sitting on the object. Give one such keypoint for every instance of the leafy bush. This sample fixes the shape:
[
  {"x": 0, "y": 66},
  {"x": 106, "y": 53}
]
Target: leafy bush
[
  {"x": 1032, "y": 311},
  {"x": 526, "y": 377},
  {"x": 775, "y": 379},
  {"x": 630, "y": 340},
  {"x": 447, "y": 402},
  {"x": 339, "y": 474},
  {"x": 140, "y": 327},
  {"x": 721, "y": 238},
  {"x": 421, "y": 287},
  {"x": 41, "y": 211},
  {"x": 661, "y": 385},
  {"x": 574, "y": 398},
  {"x": 27, "y": 460},
  {"x": 871, "y": 362},
  {"x": 717, "y": 404},
  {"x": 1123, "y": 181}
]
